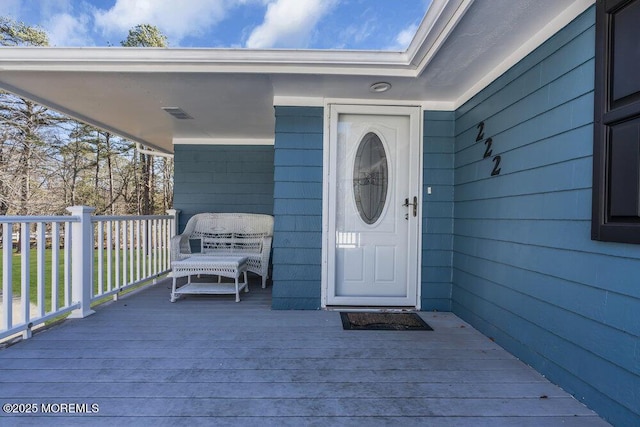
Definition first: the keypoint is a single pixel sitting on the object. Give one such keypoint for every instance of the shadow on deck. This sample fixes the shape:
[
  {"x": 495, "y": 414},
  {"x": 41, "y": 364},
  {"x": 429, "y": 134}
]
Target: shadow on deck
[{"x": 206, "y": 360}]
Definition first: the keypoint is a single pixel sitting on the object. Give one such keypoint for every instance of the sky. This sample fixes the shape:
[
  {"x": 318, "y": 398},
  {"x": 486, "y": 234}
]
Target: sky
[{"x": 264, "y": 24}]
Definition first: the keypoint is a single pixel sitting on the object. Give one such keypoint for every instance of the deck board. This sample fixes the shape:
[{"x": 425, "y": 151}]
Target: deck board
[{"x": 207, "y": 360}]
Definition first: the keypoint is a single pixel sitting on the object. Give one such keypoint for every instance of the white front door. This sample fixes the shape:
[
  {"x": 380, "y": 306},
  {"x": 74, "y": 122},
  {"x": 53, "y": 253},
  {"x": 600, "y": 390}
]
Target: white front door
[{"x": 372, "y": 183}]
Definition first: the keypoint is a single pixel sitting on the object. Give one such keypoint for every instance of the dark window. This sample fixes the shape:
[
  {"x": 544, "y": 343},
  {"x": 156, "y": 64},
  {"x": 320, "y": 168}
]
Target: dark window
[{"x": 616, "y": 149}]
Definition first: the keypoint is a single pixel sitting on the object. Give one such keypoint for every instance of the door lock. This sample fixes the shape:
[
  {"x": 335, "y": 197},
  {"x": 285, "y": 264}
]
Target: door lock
[{"x": 414, "y": 204}]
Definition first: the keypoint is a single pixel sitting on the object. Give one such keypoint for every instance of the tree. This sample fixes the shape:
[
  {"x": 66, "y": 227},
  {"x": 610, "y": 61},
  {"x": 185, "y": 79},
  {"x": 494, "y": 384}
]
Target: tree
[
  {"x": 20, "y": 119},
  {"x": 145, "y": 35},
  {"x": 22, "y": 126},
  {"x": 14, "y": 33}
]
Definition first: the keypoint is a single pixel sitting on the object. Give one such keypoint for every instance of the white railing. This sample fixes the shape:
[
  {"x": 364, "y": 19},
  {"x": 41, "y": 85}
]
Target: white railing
[
  {"x": 18, "y": 310},
  {"x": 130, "y": 250},
  {"x": 78, "y": 260}
]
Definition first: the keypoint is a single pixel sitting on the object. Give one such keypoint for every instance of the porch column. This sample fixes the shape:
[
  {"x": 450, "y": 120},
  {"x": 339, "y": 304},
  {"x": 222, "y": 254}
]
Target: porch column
[{"x": 81, "y": 260}]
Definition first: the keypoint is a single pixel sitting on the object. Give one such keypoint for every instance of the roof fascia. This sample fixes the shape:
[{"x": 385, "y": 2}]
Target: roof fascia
[
  {"x": 440, "y": 20},
  {"x": 204, "y": 60}
]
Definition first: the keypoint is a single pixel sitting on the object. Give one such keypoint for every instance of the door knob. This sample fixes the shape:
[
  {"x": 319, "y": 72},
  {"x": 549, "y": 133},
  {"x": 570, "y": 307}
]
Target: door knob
[{"x": 414, "y": 204}]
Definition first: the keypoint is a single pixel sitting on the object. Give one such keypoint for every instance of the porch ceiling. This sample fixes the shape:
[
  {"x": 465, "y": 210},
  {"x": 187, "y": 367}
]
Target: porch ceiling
[{"x": 460, "y": 47}]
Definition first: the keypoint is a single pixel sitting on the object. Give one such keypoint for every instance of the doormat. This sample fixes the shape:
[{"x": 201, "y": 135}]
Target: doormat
[{"x": 383, "y": 322}]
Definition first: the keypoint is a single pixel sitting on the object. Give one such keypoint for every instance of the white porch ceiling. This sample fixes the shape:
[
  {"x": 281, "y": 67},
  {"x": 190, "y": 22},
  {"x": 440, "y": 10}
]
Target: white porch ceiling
[{"x": 461, "y": 46}]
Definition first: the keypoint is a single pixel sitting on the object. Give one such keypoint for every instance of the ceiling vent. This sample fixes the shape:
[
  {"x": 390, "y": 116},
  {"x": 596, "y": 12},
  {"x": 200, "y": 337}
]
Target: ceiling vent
[{"x": 178, "y": 113}]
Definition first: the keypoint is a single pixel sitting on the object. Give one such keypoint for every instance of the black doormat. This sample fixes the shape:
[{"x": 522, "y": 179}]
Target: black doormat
[{"x": 384, "y": 322}]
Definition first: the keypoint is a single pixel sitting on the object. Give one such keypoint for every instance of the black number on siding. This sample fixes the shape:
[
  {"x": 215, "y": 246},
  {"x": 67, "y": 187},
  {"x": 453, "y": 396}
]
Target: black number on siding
[
  {"x": 496, "y": 168},
  {"x": 480, "y": 136},
  {"x": 488, "y": 151}
]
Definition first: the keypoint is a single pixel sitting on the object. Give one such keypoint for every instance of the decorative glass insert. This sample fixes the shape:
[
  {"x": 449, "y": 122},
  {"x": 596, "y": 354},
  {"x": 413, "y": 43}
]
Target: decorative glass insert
[{"x": 370, "y": 178}]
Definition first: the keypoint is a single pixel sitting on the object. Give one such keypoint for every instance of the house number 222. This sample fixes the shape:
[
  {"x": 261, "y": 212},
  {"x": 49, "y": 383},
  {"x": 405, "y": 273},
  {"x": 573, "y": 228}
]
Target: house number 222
[{"x": 488, "y": 152}]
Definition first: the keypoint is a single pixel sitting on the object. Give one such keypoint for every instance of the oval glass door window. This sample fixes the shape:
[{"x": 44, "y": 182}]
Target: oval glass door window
[{"x": 370, "y": 178}]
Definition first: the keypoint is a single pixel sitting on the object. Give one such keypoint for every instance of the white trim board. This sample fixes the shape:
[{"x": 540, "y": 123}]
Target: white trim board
[
  {"x": 223, "y": 141},
  {"x": 298, "y": 101}
]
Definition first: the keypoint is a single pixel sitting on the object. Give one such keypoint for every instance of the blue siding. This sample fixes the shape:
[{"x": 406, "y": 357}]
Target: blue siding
[
  {"x": 525, "y": 271},
  {"x": 297, "y": 246},
  {"x": 437, "y": 210},
  {"x": 222, "y": 178}
]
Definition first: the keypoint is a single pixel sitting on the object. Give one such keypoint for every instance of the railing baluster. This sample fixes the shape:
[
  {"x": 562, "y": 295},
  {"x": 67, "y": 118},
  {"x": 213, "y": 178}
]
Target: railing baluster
[
  {"x": 152, "y": 259},
  {"x": 125, "y": 253},
  {"x": 132, "y": 247},
  {"x": 117, "y": 254},
  {"x": 150, "y": 246},
  {"x": 25, "y": 237},
  {"x": 163, "y": 244},
  {"x": 158, "y": 247},
  {"x": 7, "y": 276},
  {"x": 40, "y": 264},
  {"x": 167, "y": 242},
  {"x": 100, "y": 244},
  {"x": 68, "y": 235},
  {"x": 145, "y": 247},
  {"x": 109, "y": 255},
  {"x": 55, "y": 264},
  {"x": 138, "y": 250}
]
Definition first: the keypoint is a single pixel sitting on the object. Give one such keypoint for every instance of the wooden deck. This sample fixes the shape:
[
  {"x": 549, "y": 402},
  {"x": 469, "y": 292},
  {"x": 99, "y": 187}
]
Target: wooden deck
[{"x": 206, "y": 360}]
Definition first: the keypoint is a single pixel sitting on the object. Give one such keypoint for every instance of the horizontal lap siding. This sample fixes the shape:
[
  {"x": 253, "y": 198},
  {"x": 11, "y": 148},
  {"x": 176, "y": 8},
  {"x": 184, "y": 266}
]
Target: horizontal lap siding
[
  {"x": 223, "y": 178},
  {"x": 525, "y": 271},
  {"x": 437, "y": 208},
  {"x": 297, "y": 245}
]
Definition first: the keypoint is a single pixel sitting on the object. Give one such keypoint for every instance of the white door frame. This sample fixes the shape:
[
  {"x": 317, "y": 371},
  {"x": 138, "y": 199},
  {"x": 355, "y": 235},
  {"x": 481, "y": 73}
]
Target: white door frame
[{"x": 414, "y": 112}]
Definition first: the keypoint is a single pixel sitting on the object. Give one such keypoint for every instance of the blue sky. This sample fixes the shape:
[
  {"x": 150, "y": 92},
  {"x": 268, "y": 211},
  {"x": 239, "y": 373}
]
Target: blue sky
[{"x": 304, "y": 24}]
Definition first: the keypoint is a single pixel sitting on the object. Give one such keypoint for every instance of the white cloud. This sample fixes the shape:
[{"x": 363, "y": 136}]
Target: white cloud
[
  {"x": 404, "y": 38},
  {"x": 175, "y": 19},
  {"x": 355, "y": 35},
  {"x": 289, "y": 23},
  {"x": 66, "y": 30}
]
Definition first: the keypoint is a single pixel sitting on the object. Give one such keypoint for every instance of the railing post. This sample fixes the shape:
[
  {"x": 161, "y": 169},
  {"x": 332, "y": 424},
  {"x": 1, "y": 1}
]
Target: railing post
[
  {"x": 82, "y": 260},
  {"x": 174, "y": 213}
]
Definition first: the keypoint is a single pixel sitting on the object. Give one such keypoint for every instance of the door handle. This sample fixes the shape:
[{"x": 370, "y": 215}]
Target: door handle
[{"x": 414, "y": 204}]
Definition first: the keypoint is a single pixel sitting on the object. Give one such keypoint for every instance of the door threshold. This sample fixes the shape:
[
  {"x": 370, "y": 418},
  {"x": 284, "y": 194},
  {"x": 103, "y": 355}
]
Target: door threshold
[{"x": 372, "y": 309}]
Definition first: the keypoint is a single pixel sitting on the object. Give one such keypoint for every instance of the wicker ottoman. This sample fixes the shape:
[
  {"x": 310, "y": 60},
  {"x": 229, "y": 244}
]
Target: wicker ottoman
[{"x": 221, "y": 266}]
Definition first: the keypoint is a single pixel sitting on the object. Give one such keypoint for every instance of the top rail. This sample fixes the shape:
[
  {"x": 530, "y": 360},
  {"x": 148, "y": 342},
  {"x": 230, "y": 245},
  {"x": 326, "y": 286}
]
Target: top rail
[
  {"x": 36, "y": 219},
  {"x": 32, "y": 219},
  {"x": 98, "y": 218}
]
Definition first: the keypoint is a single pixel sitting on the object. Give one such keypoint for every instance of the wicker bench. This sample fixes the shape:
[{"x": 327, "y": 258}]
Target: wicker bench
[{"x": 224, "y": 234}]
